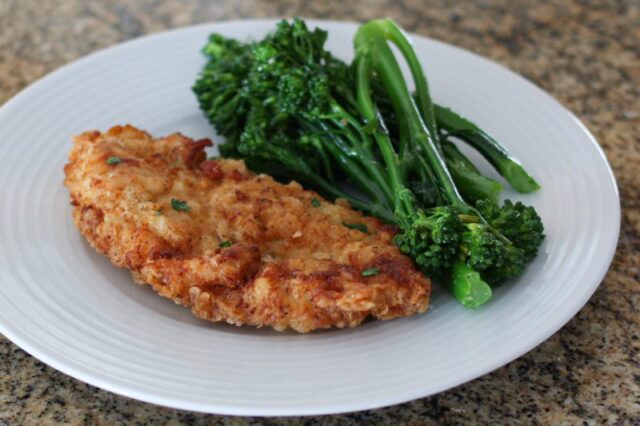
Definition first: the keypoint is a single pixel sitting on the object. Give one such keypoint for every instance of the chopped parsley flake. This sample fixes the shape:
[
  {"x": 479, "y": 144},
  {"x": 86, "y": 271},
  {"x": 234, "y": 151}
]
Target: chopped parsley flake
[
  {"x": 357, "y": 226},
  {"x": 113, "y": 160},
  {"x": 180, "y": 205},
  {"x": 315, "y": 202},
  {"x": 369, "y": 272},
  {"x": 225, "y": 244}
]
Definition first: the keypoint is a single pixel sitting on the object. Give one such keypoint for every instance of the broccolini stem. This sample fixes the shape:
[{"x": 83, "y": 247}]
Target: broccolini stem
[
  {"x": 362, "y": 148},
  {"x": 345, "y": 158},
  {"x": 508, "y": 166},
  {"x": 361, "y": 169},
  {"x": 370, "y": 42},
  {"x": 468, "y": 218},
  {"x": 326, "y": 160},
  {"x": 467, "y": 286},
  {"x": 402, "y": 204},
  {"x": 423, "y": 98},
  {"x": 466, "y": 177},
  {"x": 300, "y": 168},
  {"x": 472, "y": 184},
  {"x": 372, "y": 208}
]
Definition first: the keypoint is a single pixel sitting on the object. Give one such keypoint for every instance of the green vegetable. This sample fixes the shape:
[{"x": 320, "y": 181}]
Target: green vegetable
[
  {"x": 509, "y": 167},
  {"x": 315, "y": 202},
  {"x": 472, "y": 185},
  {"x": 357, "y": 226},
  {"x": 180, "y": 205},
  {"x": 289, "y": 108},
  {"x": 113, "y": 160},
  {"x": 451, "y": 124},
  {"x": 434, "y": 238},
  {"x": 519, "y": 223},
  {"x": 370, "y": 272},
  {"x": 280, "y": 105},
  {"x": 225, "y": 244},
  {"x": 468, "y": 287},
  {"x": 226, "y": 106}
]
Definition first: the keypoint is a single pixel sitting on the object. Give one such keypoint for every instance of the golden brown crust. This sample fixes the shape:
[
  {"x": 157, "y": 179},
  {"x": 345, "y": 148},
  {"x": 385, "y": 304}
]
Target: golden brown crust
[{"x": 291, "y": 265}]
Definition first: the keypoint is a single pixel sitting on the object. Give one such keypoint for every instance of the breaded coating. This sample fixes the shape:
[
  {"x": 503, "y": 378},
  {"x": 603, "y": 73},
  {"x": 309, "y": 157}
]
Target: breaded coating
[{"x": 231, "y": 245}]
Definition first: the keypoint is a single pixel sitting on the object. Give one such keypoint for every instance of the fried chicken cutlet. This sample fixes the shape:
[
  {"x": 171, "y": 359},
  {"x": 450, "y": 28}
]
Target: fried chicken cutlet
[{"x": 232, "y": 245}]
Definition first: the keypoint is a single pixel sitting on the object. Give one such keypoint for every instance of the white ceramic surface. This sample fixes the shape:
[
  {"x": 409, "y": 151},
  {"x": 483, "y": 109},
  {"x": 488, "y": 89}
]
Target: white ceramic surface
[{"x": 66, "y": 305}]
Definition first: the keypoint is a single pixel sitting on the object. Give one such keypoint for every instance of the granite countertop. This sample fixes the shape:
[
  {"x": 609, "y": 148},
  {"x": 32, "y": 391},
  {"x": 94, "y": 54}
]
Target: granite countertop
[{"x": 586, "y": 54}]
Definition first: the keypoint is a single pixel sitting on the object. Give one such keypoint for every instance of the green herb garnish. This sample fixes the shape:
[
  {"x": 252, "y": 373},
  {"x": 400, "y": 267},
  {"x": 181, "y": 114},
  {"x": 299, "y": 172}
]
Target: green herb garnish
[
  {"x": 357, "y": 226},
  {"x": 113, "y": 160},
  {"x": 180, "y": 205},
  {"x": 369, "y": 272},
  {"x": 225, "y": 244},
  {"x": 315, "y": 202}
]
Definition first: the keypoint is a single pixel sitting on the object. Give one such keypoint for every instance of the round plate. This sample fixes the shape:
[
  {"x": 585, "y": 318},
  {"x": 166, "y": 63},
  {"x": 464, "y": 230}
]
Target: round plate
[{"x": 68, "y": 306}]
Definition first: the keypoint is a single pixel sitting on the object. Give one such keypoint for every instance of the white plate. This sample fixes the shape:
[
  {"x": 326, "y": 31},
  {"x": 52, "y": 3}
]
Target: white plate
[{"x": 66, "y": 305}]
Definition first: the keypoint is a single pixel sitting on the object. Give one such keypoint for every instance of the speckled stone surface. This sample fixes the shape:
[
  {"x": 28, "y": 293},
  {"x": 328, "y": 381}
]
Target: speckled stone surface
[{"x": 586, "y": 54}]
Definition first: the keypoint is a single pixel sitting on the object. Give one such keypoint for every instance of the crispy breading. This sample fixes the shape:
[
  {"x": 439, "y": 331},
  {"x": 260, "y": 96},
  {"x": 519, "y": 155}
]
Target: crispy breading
[{"x": 242, "y": 248}]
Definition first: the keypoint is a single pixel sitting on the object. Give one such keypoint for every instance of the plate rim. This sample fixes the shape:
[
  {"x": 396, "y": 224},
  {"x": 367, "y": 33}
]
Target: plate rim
[{"x": 560, "y": 320}]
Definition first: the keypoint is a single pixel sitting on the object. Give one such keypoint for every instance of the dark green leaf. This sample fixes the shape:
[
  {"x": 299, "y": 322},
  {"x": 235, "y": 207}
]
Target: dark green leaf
[
  {"x": 369, "y": 272},
  {"x": 179, "y": 205},
  {"x": 357, "y": 226}
]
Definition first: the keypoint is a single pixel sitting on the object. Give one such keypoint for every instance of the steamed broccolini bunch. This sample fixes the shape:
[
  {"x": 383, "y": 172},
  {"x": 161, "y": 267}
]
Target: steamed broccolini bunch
[{"x": 289, "y": 108}]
